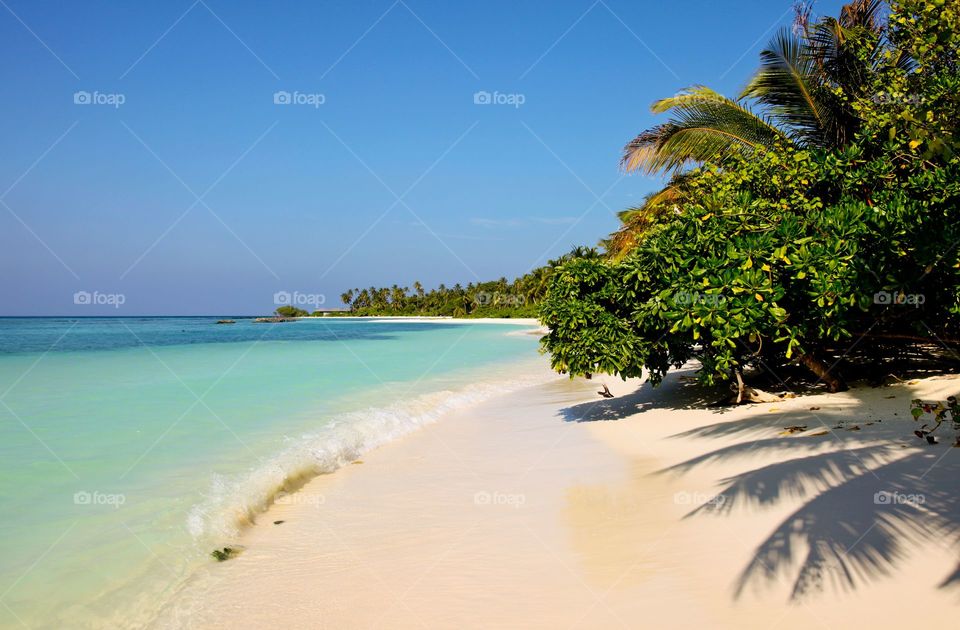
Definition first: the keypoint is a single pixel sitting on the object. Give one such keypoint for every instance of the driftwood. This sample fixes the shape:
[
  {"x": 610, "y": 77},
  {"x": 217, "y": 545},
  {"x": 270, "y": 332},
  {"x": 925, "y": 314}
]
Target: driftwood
[{"x": 743, "y": 393}]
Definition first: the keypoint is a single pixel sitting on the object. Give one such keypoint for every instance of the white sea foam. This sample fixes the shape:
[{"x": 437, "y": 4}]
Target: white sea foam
[{"x": 234, "y": 501}]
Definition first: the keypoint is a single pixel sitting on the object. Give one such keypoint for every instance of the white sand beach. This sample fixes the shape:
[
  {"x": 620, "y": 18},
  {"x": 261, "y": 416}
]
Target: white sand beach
[{"x": 551, "y": 507}]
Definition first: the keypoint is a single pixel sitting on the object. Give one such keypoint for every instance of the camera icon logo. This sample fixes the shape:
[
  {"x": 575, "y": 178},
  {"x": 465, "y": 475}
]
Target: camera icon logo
[
  {"x": 483, "y": 298},
  {"x": 882, "y": 498},
  {"x": 282, "y": 298},
  {"x": 82, "y": 297},
  {"x": 482, "y": 98},
  {"x": 883, "y": 297},
  {"x": 282, "y": 98},
  {"x": 82, "y": 498},
  {"x": 82, "y": 98}
]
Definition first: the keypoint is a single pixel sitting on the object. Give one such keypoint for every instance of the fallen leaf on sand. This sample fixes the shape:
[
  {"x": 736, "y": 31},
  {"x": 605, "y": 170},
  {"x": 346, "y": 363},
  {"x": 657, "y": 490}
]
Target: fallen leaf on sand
[
  {"x": 773, "y": 409},
  {"x": 854, "y": 428},
  {"x": 814, "y": 408},
  {"x": 818, "y": 434},
  {"x": 796, "y": 428}
]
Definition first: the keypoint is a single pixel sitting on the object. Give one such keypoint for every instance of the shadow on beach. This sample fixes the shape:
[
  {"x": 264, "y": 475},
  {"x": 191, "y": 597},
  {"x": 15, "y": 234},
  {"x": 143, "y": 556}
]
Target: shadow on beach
[
  {"x": 679, "y": 391},
  {"x": 869, "y": 492}
]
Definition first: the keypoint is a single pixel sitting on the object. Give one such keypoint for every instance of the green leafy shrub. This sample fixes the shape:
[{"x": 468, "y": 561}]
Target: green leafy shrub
[{"x": 791, "y": 255}]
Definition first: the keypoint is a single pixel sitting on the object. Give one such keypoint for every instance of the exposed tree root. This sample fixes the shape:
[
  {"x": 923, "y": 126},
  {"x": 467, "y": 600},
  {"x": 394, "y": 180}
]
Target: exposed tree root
[{"x": 743, "y": 393}]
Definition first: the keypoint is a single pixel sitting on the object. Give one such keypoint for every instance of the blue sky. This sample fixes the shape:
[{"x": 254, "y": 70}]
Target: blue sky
[{"x": 187, "y": 190}]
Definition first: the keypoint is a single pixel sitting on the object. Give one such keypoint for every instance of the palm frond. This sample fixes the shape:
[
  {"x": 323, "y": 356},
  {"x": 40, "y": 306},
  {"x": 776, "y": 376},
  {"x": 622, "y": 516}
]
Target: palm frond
[
  {"x": 862, "y": 14},
  {"x": 784, "y": 84},
  {"x": 638, "y": 220},
  {"x": 705, "y": 126}
]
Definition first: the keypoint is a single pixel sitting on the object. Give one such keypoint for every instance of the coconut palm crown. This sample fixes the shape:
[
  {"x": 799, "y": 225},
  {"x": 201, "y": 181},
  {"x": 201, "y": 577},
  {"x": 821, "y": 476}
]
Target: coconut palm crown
[{"x": 802, "y": 95}]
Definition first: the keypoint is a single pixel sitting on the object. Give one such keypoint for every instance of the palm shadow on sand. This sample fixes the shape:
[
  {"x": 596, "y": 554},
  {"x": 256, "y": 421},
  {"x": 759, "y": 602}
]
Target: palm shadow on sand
[
  {"x": 867, "y": 500},
  {"x": 863, "y": 510}
]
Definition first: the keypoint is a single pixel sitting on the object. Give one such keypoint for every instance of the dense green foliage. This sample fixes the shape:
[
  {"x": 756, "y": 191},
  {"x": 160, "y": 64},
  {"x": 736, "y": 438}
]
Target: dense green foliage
[
  {"x": 804, "y": 95},
  {"x": 291, "y": 311},
  {"x": 793, "y": 251}
]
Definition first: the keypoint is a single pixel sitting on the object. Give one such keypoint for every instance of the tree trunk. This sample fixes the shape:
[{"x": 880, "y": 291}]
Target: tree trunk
[
  {"x": 741, "y": 387},
  {"x": 822, "y": 370}
]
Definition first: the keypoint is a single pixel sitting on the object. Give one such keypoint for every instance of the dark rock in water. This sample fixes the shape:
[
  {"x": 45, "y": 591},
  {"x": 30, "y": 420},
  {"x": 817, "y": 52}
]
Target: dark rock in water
[
  {"x": 226, "y": 321},
  {"x": 274, "y": 320}
]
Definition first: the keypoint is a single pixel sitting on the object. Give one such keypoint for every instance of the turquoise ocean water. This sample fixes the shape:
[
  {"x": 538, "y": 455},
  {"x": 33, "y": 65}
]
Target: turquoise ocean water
[{"x": 130, "y": 447}]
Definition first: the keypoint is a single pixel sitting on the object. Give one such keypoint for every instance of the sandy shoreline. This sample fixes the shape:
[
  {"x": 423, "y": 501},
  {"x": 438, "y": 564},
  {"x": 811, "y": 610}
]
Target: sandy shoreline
[{"x": 550, "y": 507}]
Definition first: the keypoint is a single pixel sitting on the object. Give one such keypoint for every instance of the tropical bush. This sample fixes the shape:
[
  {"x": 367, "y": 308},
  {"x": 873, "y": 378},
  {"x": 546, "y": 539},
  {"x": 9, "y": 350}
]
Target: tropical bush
[
  {"x": 291, "y": 311},
  {"x": 830, "y": 216}
]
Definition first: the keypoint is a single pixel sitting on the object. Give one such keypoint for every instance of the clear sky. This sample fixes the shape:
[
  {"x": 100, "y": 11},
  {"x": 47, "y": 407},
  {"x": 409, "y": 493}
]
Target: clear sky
[{"x": 144, "y": 153}]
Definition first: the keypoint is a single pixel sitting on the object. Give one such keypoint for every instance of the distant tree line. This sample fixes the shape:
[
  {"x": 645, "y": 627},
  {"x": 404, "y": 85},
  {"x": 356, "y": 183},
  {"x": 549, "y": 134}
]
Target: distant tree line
[{"x": 495, "y": 298}]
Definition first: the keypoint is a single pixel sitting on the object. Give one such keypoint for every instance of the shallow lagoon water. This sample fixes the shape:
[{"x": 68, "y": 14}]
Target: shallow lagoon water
[{"x": 132, "y": 446}]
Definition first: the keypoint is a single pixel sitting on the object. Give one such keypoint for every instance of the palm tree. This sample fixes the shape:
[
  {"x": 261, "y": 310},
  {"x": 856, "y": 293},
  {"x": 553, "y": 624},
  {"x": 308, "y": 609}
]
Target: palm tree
[
  {"x": 363, "y": 299},
  {"x": 347, "y": 298},
  {"x": 802, "y": 96},
  {"x": 705, "y": 126},
  {"x": 398, "y": 296},
  {"x": 791, "y": 99}
]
